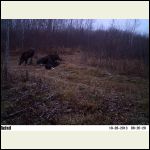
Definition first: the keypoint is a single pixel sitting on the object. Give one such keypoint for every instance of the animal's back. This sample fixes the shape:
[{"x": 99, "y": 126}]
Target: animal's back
[
  {"x": 28, "y": 53},
  {"x": 54, "y": 57},
  {"x": 43, "y": 60}
]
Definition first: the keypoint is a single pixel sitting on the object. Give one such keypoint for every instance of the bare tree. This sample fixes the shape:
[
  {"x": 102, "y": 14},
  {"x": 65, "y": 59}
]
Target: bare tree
[
  {"x": 131, "y": 27},
  {"x": 136, "y": 23},
  {"x": 6, "y": 51}
]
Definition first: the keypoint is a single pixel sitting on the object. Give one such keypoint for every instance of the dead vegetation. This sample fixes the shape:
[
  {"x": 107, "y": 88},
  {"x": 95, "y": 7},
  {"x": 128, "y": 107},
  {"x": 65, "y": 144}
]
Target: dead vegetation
[
  {"x": 72, "y": 93},
  {"x": 133, "y": 67}
]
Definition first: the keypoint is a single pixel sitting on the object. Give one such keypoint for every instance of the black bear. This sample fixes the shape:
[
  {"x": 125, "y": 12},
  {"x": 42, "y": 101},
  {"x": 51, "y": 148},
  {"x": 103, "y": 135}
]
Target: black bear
[
  {"x": 43, "y": 60},
  {"x": 49, "y": 61},
  {"x": 26, "y": 55},
  {"x": 51, "y": 64}
]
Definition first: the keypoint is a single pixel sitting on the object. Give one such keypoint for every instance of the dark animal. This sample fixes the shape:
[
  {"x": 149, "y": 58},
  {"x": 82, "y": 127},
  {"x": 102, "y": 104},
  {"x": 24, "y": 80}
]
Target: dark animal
[
  {"x": 51, "y": 64},
  {"x": 27, "y": 55},
  {"x": 49, "y": 61},
  {"x": 43, "y": 60},
  {"x": 48, "y": 66}
]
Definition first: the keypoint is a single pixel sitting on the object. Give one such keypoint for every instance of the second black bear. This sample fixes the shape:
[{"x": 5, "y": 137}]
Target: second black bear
[
  {"x": 49, "y": 61},
  {"x": 26, "y": 55}
]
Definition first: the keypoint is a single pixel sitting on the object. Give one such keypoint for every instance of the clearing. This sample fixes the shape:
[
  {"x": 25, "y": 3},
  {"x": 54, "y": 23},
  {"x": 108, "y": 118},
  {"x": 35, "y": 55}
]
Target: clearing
[{"x": 72, "y": 93}]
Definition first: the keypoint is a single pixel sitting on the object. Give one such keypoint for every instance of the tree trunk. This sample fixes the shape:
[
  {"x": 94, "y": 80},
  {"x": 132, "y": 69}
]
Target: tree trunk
[{"x": 6, "y": 52}]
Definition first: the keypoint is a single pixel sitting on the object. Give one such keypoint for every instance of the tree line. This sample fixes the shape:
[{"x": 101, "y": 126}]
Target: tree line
[{"x": 45, "y": 34}]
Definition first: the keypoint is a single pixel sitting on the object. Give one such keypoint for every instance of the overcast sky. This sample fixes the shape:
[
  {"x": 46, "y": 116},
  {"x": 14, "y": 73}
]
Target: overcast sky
[{"x": 142, "y": 27}]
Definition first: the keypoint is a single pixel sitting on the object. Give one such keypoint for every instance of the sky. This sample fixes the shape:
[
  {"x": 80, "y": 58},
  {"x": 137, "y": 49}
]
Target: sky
[{"x": 142, "y": 24}]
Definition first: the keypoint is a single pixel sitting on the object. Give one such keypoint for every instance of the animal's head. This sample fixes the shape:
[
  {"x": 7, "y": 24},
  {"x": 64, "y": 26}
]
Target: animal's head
[{"x": 56, "y": 57}]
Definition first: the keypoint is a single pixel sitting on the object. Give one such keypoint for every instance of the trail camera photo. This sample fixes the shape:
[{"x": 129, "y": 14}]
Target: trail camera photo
[{"x": 74, "y": 71}]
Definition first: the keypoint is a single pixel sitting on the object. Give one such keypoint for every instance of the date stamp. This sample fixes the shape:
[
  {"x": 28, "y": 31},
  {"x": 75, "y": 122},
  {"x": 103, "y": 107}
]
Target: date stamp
[{"x": 128, "y": 127}]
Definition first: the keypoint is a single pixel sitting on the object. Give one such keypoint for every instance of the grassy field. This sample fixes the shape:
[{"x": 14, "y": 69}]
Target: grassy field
[{"x": 72, "y": 93}]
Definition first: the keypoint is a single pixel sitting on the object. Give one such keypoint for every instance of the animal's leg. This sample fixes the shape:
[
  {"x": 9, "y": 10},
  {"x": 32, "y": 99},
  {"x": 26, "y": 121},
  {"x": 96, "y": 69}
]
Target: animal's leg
[
  {"x": 30, "y": 61},
  {"x": 20, "y": 62},
  {"x": 26, "y": 61}
]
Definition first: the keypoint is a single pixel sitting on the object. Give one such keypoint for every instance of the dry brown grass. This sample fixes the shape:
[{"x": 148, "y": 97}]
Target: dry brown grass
[
  {"x": 122, "y": 66},
  {"x": 73, "y": 93}
]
